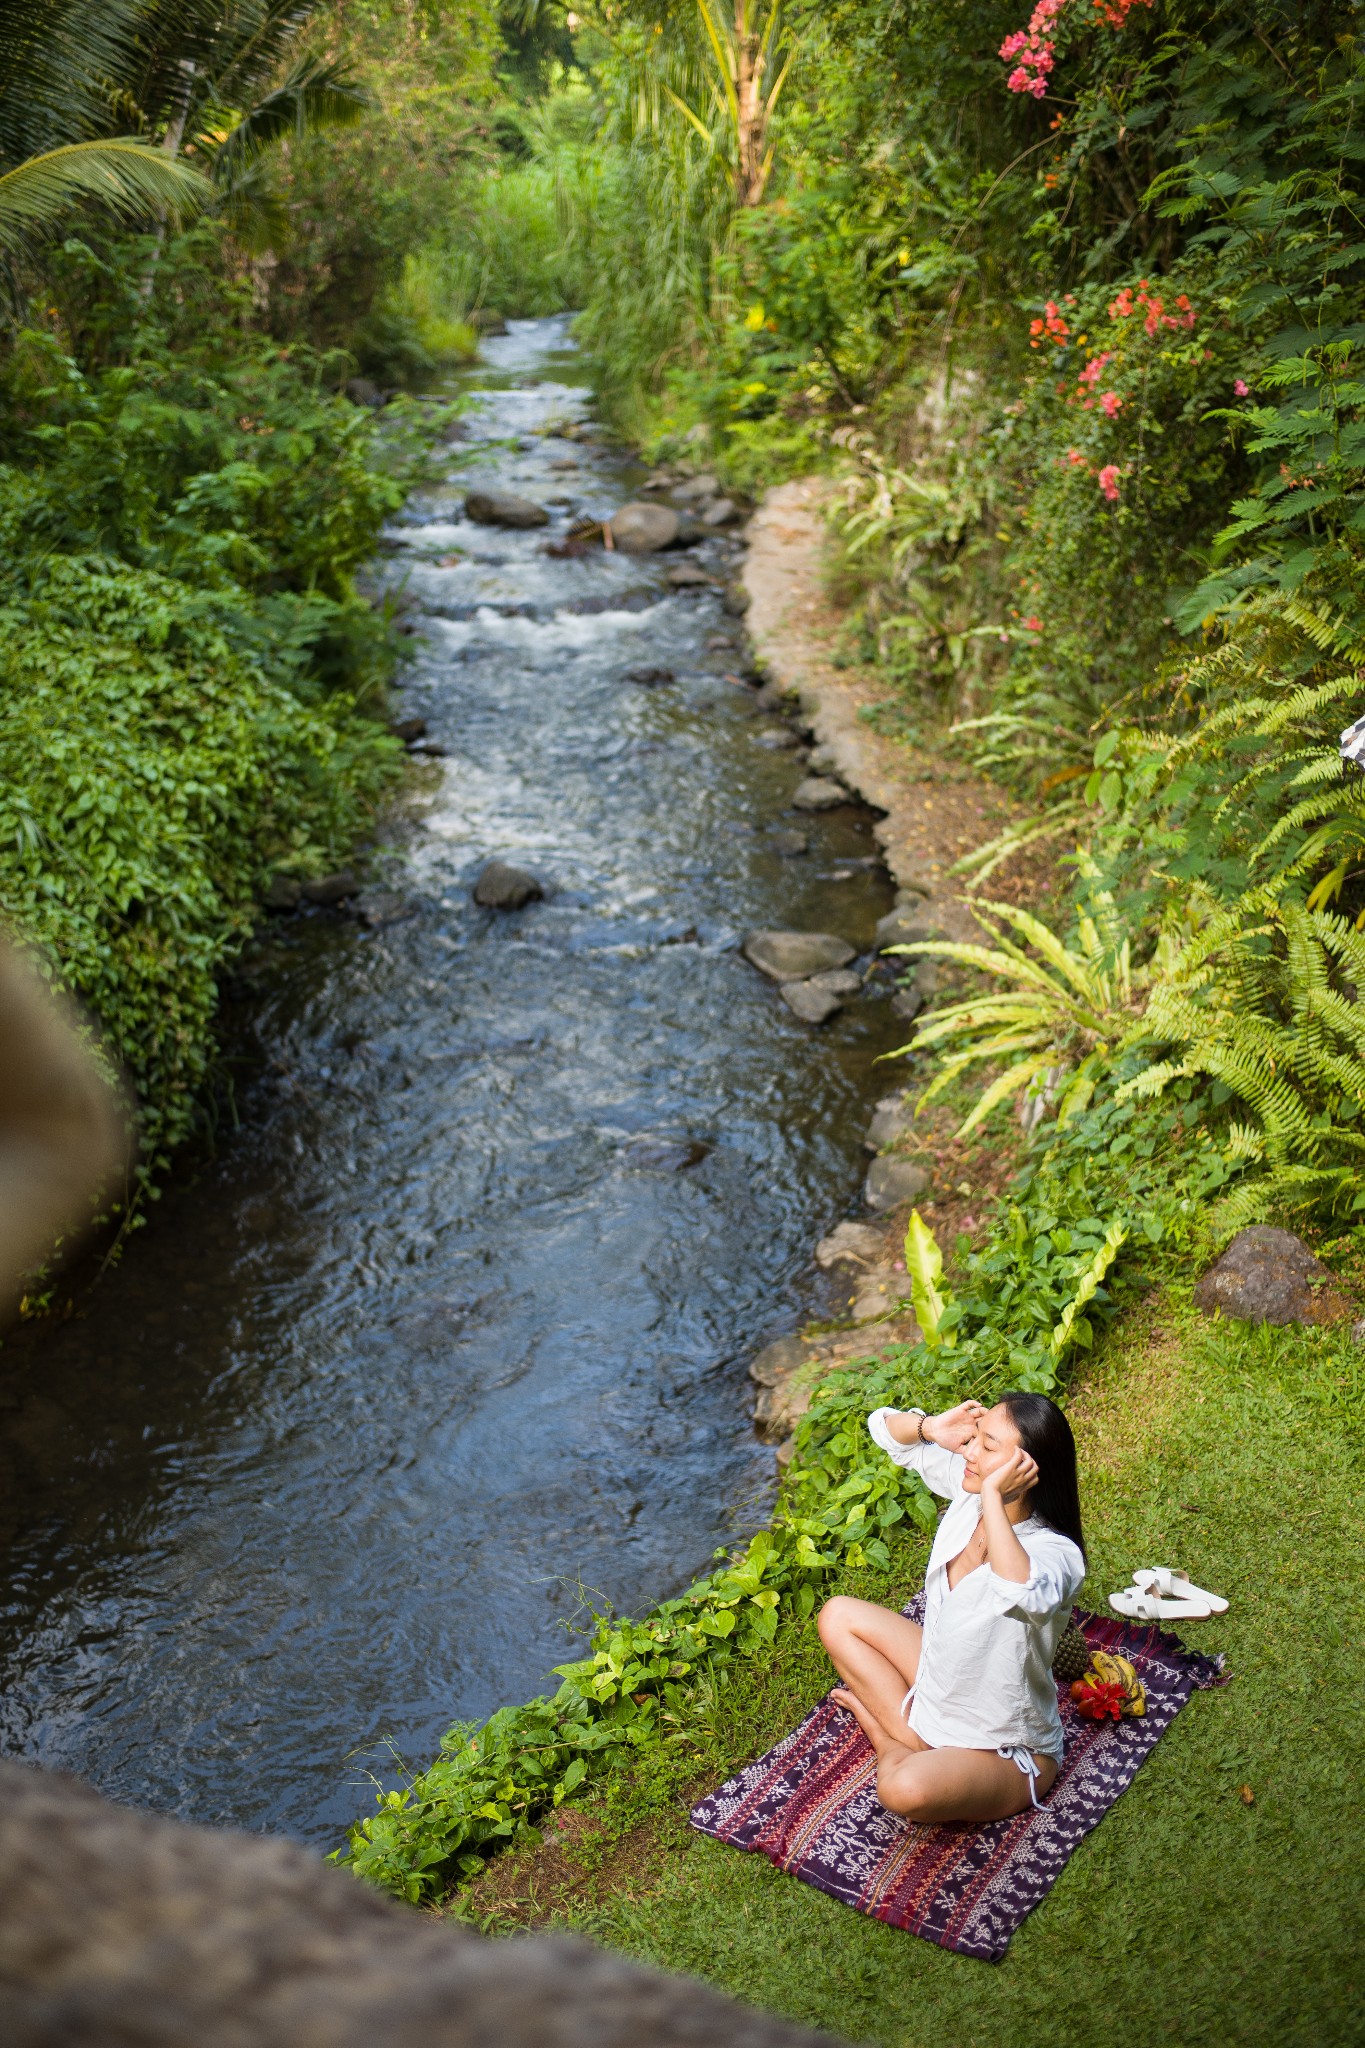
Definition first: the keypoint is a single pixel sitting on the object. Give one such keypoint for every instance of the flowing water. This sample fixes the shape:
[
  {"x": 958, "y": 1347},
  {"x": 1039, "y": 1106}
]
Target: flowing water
[{"x": 455, "y": 1327}]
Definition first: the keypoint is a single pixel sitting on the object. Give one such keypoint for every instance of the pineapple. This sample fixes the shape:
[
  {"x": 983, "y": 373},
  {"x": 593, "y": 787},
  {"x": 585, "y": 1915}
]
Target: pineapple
[{"x": 1073, "y": 1656}]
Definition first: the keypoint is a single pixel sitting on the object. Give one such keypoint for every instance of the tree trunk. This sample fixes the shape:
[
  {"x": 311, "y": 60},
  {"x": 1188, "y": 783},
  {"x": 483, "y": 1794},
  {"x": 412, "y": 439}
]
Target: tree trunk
[{"x": 750, "y": 172}]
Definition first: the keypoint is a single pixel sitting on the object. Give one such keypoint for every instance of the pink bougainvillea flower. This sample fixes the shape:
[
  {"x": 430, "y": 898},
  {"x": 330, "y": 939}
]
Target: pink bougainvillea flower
[
  {"x": 1076, "y": 459},
  {"x": 1108, "y": 481},
  {"x": 1241, "y": 388},
  {"x": 1110, "y": 403},
  {"x": 1091, "y": 373},
  {"x": 1033, "y": 624}
]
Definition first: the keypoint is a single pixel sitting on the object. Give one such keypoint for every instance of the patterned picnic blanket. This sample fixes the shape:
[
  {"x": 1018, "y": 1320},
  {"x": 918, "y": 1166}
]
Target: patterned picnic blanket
[{"x": 811, "y": 1807}]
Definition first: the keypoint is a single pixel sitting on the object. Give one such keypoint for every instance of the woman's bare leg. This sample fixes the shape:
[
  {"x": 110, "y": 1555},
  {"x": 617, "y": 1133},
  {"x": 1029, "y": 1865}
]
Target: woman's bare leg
[
  {"x": 945, "y": 1784},
  {"x": 876, "y": 1653}
]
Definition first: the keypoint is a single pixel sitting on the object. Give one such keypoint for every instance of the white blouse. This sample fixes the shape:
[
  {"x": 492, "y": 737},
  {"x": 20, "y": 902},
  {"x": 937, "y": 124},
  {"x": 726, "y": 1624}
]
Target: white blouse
[{"x": 985, "y": 1672}]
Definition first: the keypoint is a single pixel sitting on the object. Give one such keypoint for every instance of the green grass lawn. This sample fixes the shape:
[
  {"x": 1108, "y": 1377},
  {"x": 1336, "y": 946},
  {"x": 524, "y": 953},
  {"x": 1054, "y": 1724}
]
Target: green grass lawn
[{"x": 1188, "y": 1915}]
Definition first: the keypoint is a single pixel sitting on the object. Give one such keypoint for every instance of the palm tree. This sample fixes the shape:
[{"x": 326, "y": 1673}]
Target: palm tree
[
  {"x": 206, "y": 86},
  {"x": 59, "y": 108}
]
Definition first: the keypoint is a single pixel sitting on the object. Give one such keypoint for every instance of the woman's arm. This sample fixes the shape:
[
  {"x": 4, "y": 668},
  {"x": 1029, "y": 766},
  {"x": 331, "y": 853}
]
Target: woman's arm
[
  {"x": 1006, "y": 1555},
  {"x": 950, "y": 1431},
  {"x": 926, "y": 1443}
]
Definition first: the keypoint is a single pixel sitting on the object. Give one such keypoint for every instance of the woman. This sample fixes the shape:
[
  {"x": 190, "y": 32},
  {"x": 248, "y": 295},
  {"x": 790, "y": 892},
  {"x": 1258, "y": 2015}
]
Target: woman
[{"x": 978, "y": 1732}]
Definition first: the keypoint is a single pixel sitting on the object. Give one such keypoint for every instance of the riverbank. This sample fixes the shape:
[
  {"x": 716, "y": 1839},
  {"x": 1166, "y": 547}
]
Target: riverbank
[{"x": 1230, "y": 1449}]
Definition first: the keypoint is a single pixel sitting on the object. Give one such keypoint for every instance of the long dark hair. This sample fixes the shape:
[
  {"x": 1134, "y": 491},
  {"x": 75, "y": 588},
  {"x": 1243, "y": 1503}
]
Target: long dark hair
[{"x": 1046, "y": 1435}]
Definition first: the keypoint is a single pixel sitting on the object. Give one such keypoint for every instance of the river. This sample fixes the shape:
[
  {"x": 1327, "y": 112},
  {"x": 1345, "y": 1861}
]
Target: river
[{"x": 450, "y": 1336}]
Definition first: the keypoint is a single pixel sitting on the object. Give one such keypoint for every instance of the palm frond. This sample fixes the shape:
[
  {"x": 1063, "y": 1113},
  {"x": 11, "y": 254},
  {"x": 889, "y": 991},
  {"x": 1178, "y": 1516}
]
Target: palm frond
[
  {"x": 313, "y": 95},
  {"x": 131, "y": 178}
]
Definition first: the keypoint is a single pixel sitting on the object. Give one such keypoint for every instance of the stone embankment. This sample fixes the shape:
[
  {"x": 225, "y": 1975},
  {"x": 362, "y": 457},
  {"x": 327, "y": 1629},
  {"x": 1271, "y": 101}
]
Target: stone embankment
[{"x": 929, "y": 820}]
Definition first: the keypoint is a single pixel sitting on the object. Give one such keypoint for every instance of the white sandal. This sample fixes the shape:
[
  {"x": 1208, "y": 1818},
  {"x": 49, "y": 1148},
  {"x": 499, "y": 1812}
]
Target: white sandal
[
  {"x": 1170, "y": 1583},
  {"x": 1165, "y": 1595}
]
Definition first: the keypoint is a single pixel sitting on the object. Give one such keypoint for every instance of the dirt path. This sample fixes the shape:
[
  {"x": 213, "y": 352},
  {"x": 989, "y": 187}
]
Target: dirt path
[{"x": 930, "y": 821}]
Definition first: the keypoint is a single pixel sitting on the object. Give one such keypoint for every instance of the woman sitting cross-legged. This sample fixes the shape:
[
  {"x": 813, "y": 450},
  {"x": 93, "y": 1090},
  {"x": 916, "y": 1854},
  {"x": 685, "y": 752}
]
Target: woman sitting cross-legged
[{"x": 978, "y": 1732}]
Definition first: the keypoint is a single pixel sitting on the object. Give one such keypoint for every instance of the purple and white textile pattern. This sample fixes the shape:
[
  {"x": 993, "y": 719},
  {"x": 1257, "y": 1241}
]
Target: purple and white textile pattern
[{"x": 811, "y": 1807}]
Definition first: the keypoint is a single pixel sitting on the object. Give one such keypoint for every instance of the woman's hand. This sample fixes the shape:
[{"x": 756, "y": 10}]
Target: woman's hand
[
  {"x": 955, "y": 1428},
  {"x": 1011, "y": 1478}
]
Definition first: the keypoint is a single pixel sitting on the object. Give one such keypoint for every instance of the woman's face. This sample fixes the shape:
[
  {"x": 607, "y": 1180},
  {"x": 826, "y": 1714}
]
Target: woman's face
[{"x": 996, "y": 1436}]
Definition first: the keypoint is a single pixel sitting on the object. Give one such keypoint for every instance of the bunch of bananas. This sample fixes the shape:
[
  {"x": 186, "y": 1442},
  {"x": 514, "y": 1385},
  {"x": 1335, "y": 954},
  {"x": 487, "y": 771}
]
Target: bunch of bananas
[{"x": 1110, "y": 1690}]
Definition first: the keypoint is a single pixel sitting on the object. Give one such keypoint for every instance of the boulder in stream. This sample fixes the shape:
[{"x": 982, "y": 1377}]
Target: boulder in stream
[
  {"x": 795, "y": 956},
  {"x": 696, "y": 490},
  {"x": 906, "y": 926},
  {"x": 811, "y": 1003},
  {"x": 642, "y": 529},
  {"x": 816, "y": 793},
  {"x": 283, "y": 894},
  {"x": 329, "y": 890},
  {"x": 656, "y": 1152},
  {"x": 504, "y": 508},
  {"x": 502, "y": 887}
]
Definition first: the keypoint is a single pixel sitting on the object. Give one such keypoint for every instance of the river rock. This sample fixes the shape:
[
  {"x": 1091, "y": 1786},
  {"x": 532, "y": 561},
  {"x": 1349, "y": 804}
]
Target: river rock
[
  {"x": 384, "y": 906},
  {"x": 642, "y": 529},
  {"x": 794, "y": 956},
  {"x": 719, "y": 512},
  {"x": 362, "y": 391},
  {"x": 905, "y": 926},
  {"x": 891, "y": 1181},
  {"x": 736, "y": 599},
  {"x": 778, "y": 1410},
  {"x": 778, "y": 738},
  {"x": 409, "y": 729},
  {"x": 648, "y": 678},
  {"x": 687, "y": 576},
  {"x": 283, "y": 894},
  {"x": 850, "y": 1244},
  {"x": 486, "y": 320},
  {"x": 789, "y": 844},
  {"x": 777, "y": 1362},
  {"x": 817, "y": 794},
  {"x": 661, "y": 1154},
  {"x": 503, "y": 887},
  {"x": 696, "y": 490},
  {"x": 504, "y": 508},
  {"x": 891, "y": 1120},
  {"x": 879, "y": 1291},
  {"x": 1270, "y": 1276},
  {"x": 122, "y": 1927},
  {"x": 811, "y": 1003},
  {"x": 328, "y": 890}
]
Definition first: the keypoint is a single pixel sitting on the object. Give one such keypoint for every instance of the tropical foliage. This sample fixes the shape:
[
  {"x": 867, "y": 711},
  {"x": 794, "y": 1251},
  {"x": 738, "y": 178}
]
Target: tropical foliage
[{"x": 193, "y": 688}]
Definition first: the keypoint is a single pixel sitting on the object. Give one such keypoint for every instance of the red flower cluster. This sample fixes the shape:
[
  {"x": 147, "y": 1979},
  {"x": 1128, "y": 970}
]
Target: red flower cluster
[
  {"x": 1108, "y": 481},
  {"x": 1110, "y": 403},
  {"x": 1051, "y": 326},
  {"x": 1153, "y": 308},
  {"x": 1091, "y": 373},
  {"x": 1035, "y": 48},
  {"x": 1095, "y": 1699}
]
